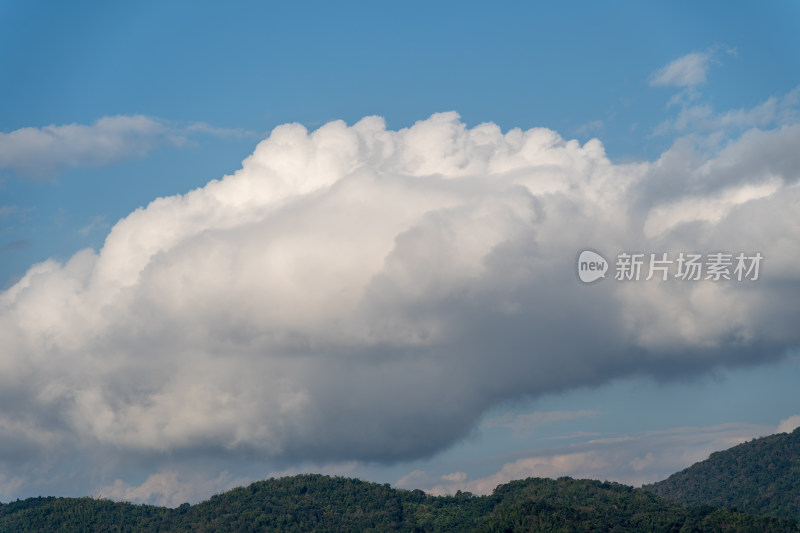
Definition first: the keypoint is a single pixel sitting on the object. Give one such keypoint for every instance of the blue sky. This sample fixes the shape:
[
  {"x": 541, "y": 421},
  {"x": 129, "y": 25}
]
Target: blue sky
[{"x": 110, "y": 106}]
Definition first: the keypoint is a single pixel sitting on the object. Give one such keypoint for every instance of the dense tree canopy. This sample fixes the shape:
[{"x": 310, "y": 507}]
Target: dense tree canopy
[
  {"x": 760, "y": 477},
  {"x": 322, "y": 503}
]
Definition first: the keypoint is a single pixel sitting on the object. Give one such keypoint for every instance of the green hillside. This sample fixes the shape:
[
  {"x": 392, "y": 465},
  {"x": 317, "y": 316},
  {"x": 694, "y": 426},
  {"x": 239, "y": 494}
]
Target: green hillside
[
  {"x": 322, "y": 503},
  {"x": 760, "y": 477}
]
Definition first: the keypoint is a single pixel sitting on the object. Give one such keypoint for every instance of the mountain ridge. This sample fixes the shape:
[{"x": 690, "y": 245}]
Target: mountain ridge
[
  {"x": 761, "y": 476},
  {"x": 313, "y": 502},
  {"x": 754, "y": 486}
]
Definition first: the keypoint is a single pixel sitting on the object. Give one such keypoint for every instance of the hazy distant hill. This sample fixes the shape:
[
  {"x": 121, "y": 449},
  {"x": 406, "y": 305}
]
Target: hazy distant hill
[
  {"x": 760, "y": 477},
  {"x": 321, "y": 503}
]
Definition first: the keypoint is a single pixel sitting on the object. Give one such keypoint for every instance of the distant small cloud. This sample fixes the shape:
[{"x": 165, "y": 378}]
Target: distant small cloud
[
  {"x": 684, "y": 98},
  {"x": 7, "y": 210},
  {"x": 15, "y": 245},
  {"x": 9, "y": 485},
  {"x": 169, "y": 488},
  {"x": 630, "y": 459},
  {"x": 202, "y": 127},
  {"x": 414, "y": 480},
  {"x": 686, "y": 71},
  {"x": 776, "y": 110},
  {"x": 590, "y": 128},
  {"x": 788, "y": 425},
  {"x": 41, "y": 153},
  {"x": 97, "y": 222},
  {"x": 575, "y": 435},
  {"x": 457, "y": 477},
  {"x": 14, "y": 211}
]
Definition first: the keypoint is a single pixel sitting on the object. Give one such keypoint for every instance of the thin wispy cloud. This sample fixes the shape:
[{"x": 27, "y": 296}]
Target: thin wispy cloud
[
  {"x": 96, "y": 223},
  {"x": 788, "y": 425},
  {"x": 687, "y": 71},
  {"x": 702, "y": 118},
  {"x": 14, "y": 212},
  {"x": 18, "y": 244},
  {"x": 632, "y": 459},
  {"x": 41, "y": 153},
  {"x": 591, "y": 128},
  {"x": 171, "y": 488},
  {"x": 523, "y": 423}
]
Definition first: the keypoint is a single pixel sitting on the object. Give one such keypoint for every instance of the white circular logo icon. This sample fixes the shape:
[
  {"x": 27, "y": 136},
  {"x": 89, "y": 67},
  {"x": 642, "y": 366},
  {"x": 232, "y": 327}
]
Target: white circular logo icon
[{"x": 591, "y": 266}]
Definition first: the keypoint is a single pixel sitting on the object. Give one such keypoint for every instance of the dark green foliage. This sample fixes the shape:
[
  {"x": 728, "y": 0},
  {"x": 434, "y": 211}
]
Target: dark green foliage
[
  {"x": 759, "y": 477},
  {"x": 584, "y": 505},
  {"x": 322, "y": 503},
  {"x": 81, "y": 514}
]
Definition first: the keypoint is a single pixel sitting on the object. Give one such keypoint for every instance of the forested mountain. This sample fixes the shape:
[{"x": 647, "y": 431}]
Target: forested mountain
[
  {"x": 760, "y": 477},
  {"x": 322, "y": 503}
]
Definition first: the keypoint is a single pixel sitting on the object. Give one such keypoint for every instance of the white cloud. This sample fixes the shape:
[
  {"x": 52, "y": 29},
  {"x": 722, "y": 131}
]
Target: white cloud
[
  {"x": 686, "y": 71},
  {"x": 202, "y": 127},
  {"x": 96, "y": 222},
  {"x": 776, "y": 110},
  {"x": 10, "y": 485},
  {"x": 579, "y": 464},
  {"x": 455, "y": 476},
  {"x": 361, "y": 294},
  {"x": 633, "y": 460},
  {"x": 706, "y": 208},
  {"x": 413, "y": 480},
  {"x": 41, "y": 153},
  {"x": 788, "y": 425},
  {"x": 590, "y": 128},
  {"x": 170, "y": 489}
]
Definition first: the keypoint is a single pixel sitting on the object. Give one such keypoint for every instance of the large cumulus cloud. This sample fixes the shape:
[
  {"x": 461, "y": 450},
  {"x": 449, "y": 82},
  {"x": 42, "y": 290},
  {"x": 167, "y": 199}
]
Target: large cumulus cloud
[{"x": 360, "y": 293}]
